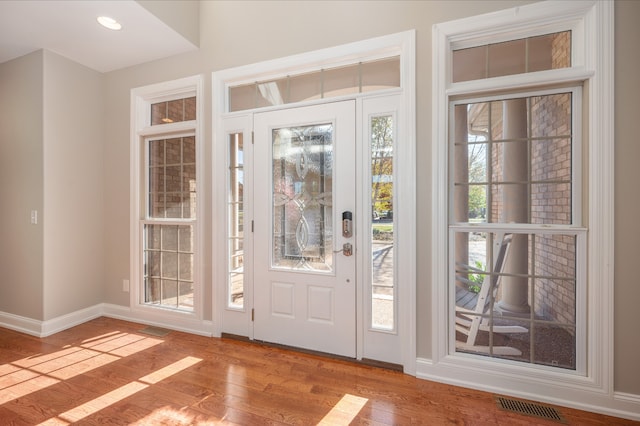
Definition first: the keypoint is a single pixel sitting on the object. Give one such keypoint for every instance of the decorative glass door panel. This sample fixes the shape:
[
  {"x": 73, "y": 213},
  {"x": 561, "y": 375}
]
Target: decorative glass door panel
[
  {"x": 304, "y": 283},
  {"x": 302, "y": 198}
]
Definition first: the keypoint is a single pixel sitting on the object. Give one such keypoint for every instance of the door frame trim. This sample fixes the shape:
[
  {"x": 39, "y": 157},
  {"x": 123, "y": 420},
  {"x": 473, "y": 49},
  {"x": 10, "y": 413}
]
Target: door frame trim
[{"x": 402, "y": 44}]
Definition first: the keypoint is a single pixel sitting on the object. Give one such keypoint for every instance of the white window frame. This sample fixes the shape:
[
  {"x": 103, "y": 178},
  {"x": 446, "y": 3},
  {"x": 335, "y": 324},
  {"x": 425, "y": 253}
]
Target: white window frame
[
  {"x": 591, "y": 23},
  {"x": 141, "y": 132},
  {"x": 574, "y": 228}
]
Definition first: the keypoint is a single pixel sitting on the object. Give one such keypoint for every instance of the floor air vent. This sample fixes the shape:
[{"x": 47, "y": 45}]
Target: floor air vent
[
  {"x": 529, "y": 409},
  {"x": 155, "y": 331}
]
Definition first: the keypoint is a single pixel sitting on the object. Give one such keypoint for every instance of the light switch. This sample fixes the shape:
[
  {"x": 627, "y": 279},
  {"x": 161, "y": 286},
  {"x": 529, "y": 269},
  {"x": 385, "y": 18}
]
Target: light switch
[{"x": 34, "y": 217}]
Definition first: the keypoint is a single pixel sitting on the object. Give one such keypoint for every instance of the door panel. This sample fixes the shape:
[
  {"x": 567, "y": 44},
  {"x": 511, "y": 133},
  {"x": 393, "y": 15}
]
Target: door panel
[{"x": 305, "y": 179}]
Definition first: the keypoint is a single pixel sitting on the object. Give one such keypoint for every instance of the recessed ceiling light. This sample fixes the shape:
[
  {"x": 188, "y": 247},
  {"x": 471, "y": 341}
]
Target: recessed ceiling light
[{"x": 110, "y": 23}]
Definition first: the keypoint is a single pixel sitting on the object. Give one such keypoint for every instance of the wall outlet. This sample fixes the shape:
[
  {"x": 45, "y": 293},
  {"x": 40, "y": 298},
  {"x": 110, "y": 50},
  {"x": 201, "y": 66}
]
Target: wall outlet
[{"x": 125, "y": 285}]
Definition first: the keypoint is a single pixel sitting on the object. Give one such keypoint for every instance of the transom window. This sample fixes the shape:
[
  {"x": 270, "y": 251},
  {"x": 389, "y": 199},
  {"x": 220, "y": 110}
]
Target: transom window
[
  {"x": 530, "y": 54},
  {"x": 173, "y": 111},
  {"x": 331, "y": 82}
]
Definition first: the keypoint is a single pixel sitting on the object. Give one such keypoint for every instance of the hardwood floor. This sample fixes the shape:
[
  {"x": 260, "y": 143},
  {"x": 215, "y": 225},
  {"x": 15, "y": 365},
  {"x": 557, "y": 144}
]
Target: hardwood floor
[{"x": 108, "y": 372}]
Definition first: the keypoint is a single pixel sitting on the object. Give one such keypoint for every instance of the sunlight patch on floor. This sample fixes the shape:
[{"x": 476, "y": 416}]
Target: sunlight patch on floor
[
  {"x": 25, "y": 376},
  {"x": 117, "y": 395},
  {"x": 345, "y": 411}
]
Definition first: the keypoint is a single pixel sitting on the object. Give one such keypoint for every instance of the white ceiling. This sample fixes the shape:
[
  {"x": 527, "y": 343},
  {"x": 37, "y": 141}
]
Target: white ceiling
[{"x": 70, "y": 29}]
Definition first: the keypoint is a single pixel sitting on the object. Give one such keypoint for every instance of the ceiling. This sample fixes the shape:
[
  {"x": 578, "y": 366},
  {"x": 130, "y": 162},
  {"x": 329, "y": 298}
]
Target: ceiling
[{"x": 70, "y": 29}]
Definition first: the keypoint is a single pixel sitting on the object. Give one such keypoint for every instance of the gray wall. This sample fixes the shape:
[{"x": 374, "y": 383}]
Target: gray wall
[
  {"x": 73, "y": 187},
  {"x": 182, "y": 16},
  {"x": 627, "y": 204},
  {"x": 21, "y": 178},
  {"x": 51, "y": 140}
]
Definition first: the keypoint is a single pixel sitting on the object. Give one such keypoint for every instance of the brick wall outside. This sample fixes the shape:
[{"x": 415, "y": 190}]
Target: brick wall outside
[{"x": 551, "y": 256}]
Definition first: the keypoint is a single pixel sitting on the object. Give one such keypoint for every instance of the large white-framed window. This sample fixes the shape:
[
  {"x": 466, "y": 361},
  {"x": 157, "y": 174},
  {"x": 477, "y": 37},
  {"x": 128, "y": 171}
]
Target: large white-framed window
[
  {"x": 166, "y": 202},
  {"x": 481, "y": 65},
  {"x": 517, "y": 261}
]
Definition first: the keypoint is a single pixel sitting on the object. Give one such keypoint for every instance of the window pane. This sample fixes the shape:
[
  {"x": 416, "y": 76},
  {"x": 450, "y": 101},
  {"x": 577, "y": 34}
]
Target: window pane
[
  {"x": 152, "y": 290},
  {"x": 341, "y": 81},
  {"x": 469, "y": 64},
  {"x": 173, "y": 111},
  {"x": 554, "y": 345},
  {"x": 561, "y": 50},
  {"x": 382, "y": 236},
  {"x": 507, "y": 58},
  {"x": 538, "y": 55},
  {"x": 242, "y": 97},
  {"x": 271, "y": 93},
  {"x": 380, "y": 75},
  {"x": 236, "y": 222},
  {"x": 169, "y": 238},
  {"x": 185, "y": 238},
  {"x": 169, "y": 290},
  {"x": 305, "y": 87},
  {"x": 169, "y": 264}
]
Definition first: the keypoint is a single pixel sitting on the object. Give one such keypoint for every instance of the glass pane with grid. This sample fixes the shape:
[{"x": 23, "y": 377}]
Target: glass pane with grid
[
  {"x": 495, "y": 271},
  {"x": 168, "y": 266},
  {"x": 516, "y": 291},
  {"x": 514, "y": 161},
  {"x": 172, "y": 178}
]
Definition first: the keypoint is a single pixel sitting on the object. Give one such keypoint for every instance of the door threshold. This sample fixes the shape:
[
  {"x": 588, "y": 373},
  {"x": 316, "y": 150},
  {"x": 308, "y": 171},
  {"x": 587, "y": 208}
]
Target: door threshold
[{"x": 364, "y": 361}]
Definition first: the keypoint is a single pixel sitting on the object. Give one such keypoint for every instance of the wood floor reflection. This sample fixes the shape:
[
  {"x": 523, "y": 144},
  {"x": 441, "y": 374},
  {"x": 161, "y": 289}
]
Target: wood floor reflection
[{"x": 107, "y": 371}]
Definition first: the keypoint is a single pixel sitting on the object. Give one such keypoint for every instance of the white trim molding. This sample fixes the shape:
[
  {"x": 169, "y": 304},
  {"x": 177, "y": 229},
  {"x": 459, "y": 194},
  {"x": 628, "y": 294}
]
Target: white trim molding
[
  {"x": 47, "y": 328},
  {"x": 592, "y": 26}
]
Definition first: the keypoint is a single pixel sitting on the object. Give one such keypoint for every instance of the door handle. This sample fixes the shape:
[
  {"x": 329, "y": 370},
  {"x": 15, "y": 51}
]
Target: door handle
[{"x": 347, "y": 249}]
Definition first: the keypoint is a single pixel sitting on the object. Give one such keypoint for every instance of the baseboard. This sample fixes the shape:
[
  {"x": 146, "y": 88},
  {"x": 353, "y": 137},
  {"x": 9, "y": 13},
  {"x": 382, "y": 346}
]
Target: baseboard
[
  {"x": 21, "y": 324},
  {"x": 177, "y": 322},
  {"x": 618, "y": 404},
  {"x": 47, "y": 328},
  {"x": 64, "y": 322}
]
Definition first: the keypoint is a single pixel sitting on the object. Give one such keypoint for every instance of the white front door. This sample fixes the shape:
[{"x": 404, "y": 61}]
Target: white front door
[{"x": 304, "y": 282}]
